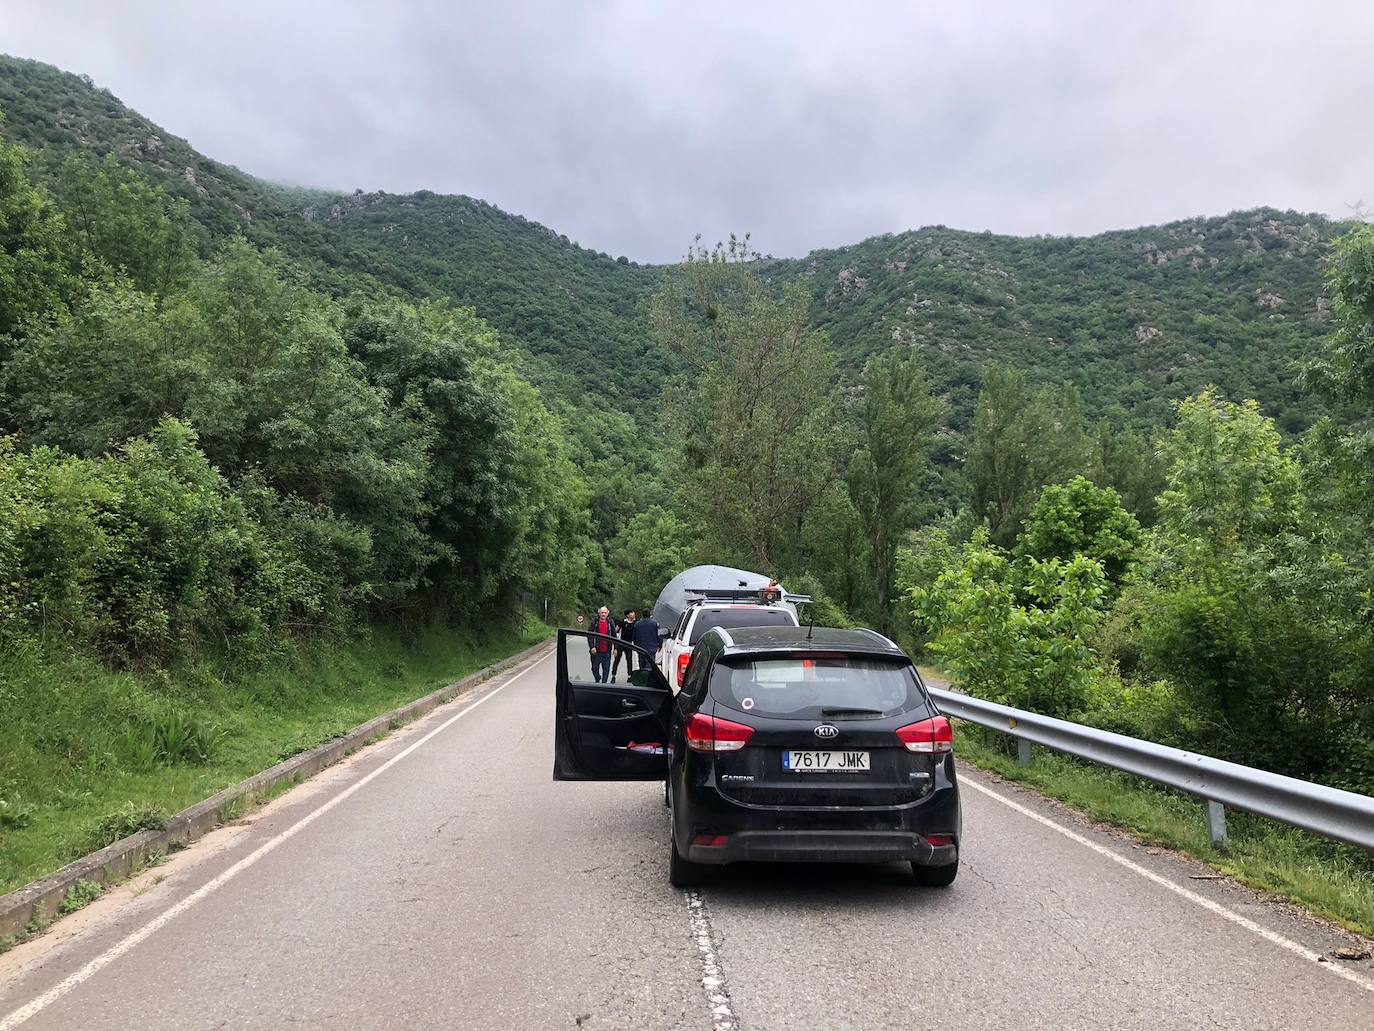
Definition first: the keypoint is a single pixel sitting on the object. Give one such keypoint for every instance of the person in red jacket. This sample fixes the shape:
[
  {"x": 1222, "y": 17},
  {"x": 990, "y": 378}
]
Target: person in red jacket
[{"x": 601, "y": 650}]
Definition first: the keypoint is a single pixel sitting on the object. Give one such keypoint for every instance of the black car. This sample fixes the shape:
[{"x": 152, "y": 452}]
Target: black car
[{"x": 785, "y": 743}]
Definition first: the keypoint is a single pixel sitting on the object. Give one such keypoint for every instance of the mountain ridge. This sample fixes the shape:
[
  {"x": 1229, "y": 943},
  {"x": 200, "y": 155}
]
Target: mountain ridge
[{"x": 1136, "y": 318}]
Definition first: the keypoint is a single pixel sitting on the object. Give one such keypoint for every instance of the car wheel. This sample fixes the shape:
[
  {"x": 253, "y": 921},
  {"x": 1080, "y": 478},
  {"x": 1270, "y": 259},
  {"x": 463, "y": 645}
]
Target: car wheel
[
  {"x": 936, "y": 876},
  {"x": 683, "y": 873}
]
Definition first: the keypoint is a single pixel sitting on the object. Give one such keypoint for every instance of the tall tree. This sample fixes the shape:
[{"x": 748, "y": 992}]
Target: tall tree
[
  {"x": 1022, "y": 440},
  {"x": 756, "y": 424},
  {"x": 115, "y": 215},
  {"x": 33, "y": 281},
  {"x": 896, "y": 416}
]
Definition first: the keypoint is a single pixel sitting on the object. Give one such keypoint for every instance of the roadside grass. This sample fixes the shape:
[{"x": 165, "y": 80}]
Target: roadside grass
[
  {"x": 79, "y": 769},
  {"x": 1332, "y": 880}
]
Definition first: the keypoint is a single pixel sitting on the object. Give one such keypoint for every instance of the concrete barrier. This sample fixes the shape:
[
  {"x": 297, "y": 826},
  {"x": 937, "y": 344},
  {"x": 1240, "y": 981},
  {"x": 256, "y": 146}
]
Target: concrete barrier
[{"x": 40, "y": 899}]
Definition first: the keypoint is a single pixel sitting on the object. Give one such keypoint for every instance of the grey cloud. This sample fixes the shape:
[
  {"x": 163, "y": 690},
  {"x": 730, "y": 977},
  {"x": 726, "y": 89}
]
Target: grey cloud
[{"x": 633, "y": 126}]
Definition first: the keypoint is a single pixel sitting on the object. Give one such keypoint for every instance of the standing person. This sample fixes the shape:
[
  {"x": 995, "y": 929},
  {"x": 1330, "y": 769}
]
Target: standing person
[
  {"x": 627, "y": 633},
  {"x": 646, "y": 637},
  {"x": 601, "y": 650}
]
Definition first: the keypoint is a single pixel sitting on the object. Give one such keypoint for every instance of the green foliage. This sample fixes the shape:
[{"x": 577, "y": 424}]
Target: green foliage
[
  {"x": 650, "y": 550},
  {"x": 838, "y": 554},
  {"x": 170, "y": 737},
  {"x": 756, "y": 426},
  {"x": 15, "y": 814},
  {"x": 1245, "y": 603},
  {"x": 33, "y": 278},
  {"x": 1080, "y": 518},
  {"x": 1229, "y": 482},
  {"x": 1019, "y": 636},
  {"x": 1022, "y": 440},
  {"x": 1344, "y": 371},
  {"x": 553, "y": 554},
  {"x": 128, "y": 819},
  {"x": 79, "y": 896},
  {"x": 115, "y": 216},
  {"x": 896, "y": 417},
  {"x": 1135, "y": 320}
]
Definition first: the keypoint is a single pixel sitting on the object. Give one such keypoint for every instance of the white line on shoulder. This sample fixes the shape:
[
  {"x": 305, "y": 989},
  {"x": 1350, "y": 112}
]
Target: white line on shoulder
[
  {"x": 1177, "y": 889},
  {"x": 42, "y": 1002}
]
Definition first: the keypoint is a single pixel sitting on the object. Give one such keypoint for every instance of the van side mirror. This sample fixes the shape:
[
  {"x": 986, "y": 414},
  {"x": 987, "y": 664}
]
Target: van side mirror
[{"x": 664, "y": 633}]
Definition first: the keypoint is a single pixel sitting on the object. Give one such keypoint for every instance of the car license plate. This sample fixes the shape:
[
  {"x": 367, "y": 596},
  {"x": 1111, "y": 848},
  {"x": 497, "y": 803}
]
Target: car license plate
[{"x": 825, "y": 762}]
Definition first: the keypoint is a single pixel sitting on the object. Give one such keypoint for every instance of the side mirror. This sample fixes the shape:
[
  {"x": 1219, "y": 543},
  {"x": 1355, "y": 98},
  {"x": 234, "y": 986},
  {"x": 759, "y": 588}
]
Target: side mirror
[{"x": 664, "y": 633}]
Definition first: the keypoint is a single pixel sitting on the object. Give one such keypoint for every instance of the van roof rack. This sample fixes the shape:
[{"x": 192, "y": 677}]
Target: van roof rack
[{"x": 705, "y": 595}]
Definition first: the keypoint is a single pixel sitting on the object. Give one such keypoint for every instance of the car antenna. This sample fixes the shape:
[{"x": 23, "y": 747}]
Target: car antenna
[{"x": 810, "y": 615}]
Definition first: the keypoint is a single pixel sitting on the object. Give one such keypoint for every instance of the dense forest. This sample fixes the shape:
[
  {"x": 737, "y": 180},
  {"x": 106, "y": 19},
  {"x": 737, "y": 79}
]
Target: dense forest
[{"x": 1102, "y": 477}]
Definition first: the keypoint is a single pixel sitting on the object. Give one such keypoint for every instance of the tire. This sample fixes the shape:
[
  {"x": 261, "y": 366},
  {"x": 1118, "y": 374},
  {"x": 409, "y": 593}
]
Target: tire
[
  {"x": 683, "y": 873},
  {"x": 935, "y": 876}
]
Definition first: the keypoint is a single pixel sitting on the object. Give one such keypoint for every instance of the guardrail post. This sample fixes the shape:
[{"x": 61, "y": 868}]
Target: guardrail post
[
  {"x": 1216, "y": 823},
  {"x": 1023, "y": 751}
]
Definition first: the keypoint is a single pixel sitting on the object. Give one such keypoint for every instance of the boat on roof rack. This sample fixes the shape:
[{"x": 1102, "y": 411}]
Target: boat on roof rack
[{"x": 706, "y": 584}]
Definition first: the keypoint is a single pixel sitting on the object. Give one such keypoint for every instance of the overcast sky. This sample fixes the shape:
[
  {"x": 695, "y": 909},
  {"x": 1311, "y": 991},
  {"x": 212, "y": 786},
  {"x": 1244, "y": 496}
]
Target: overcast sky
[{"x": 632, "y": 126}]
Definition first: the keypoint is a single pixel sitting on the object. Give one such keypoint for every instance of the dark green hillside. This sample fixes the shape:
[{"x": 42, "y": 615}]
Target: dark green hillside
[
  {"x": 572, "y": 310},
  {"x": 576, "y": 310},
  {"x": 1137, "y": 318}
]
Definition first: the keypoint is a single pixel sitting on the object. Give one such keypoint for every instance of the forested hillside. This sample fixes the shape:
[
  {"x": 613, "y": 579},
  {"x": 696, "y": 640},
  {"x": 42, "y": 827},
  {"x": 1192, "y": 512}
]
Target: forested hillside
[{"x": 1136, "y": 319}]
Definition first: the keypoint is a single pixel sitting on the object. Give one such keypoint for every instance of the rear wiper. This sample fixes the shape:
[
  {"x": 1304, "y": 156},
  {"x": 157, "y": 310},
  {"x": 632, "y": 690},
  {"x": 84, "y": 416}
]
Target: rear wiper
[{"x": 842, "y": 711}]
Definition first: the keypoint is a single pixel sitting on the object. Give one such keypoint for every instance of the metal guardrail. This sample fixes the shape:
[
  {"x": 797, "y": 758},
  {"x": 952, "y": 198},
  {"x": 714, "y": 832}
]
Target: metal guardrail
[{"x": 1343, "y": 815}]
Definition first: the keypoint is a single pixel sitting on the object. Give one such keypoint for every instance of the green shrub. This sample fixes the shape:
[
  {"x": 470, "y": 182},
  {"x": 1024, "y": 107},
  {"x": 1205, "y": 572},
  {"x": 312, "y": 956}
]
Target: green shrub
[
  {"x": 123, "y": 822},
  {"x": 14, "y": 814},
  {"x": 1016, "y": 634},
  {"x": 170, "y": 738},
  {"x": 79, "y": 896}
]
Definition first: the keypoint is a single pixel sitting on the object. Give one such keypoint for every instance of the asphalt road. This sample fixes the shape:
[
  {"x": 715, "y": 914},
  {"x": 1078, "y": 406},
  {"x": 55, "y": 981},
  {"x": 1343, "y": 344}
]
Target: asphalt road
[{"x": 441, "y": 879}]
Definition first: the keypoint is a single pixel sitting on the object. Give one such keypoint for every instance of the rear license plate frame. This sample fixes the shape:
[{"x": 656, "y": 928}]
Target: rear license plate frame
[{"x": 839, "y": 760}]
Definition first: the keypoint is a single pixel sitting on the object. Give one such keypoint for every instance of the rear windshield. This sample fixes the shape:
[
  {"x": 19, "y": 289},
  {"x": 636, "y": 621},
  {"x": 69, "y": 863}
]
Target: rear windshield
[
  {"x": 818, "y": 687},
  {"x": 742, "y": 616}
]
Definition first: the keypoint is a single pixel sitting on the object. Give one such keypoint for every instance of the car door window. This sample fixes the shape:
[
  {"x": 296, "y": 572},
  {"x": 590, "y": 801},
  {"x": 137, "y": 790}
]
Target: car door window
[{"x": 694, "y": 687}]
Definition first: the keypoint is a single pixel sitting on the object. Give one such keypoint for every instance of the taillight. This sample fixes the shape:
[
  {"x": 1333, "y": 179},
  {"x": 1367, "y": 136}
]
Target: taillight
[
  {"x": 933, "y": 736},
  {"x": 682, "y": 660},
  {"x": 711, "y": 734}
]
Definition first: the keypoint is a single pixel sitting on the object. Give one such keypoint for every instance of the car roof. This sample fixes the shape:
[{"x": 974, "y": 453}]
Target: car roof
[{"x": 753, "y": 639}]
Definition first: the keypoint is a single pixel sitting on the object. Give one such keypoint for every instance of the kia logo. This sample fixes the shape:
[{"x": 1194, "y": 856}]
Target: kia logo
[{"x": 827, "y": 731}]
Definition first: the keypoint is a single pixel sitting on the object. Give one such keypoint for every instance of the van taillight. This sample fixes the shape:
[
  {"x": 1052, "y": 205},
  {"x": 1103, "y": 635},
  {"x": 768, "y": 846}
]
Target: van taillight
[
  {"x": 682, "y": 660},
  {"x": 712, "y": 734},
  {"x": 933, "y": 736}
]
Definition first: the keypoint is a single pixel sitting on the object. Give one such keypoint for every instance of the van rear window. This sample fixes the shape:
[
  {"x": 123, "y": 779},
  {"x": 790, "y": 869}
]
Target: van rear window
[{"x": 740, "y": 616}]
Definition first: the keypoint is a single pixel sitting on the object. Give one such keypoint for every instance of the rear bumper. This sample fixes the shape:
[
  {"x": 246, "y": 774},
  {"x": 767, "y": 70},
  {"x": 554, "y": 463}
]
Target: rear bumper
[{"x": 823, "y": 846}]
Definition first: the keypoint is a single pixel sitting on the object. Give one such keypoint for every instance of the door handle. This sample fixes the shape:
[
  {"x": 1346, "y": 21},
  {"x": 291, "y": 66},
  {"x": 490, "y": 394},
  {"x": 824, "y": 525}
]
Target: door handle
[{"x": 629, "y": 703}]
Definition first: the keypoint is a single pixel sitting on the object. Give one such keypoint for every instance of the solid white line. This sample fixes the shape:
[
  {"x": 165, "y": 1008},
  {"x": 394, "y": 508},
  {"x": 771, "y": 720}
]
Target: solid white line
[
  {"x": 64, "y": 986},
  {"x": 712, "y": 977},
  {"x": 1177, "y": 889}
]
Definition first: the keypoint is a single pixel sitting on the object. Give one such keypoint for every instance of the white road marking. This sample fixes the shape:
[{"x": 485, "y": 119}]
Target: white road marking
[
  {"x": 712, "y": 978},
  {"x": 1182, "y": 892},
  {"x": 64, "y": 986}
]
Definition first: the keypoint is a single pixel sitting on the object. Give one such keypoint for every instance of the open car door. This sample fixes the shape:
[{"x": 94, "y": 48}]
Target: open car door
[{"x": 609, "y": 731}]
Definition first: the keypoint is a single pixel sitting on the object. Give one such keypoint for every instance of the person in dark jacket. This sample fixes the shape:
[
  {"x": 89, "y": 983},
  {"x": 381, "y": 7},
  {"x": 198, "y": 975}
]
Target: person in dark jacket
[
  {"x": 645, "y": 637},
  {"x": 627, "y": 633},
  {"x": 601, "y": 650}
]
